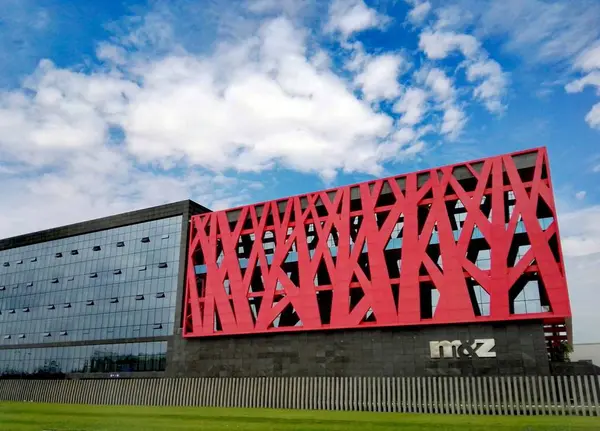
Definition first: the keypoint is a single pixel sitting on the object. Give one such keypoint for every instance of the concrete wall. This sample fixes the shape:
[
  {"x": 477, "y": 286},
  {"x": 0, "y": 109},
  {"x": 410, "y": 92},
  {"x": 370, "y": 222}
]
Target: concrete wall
[{"x": 387, "y": 352}]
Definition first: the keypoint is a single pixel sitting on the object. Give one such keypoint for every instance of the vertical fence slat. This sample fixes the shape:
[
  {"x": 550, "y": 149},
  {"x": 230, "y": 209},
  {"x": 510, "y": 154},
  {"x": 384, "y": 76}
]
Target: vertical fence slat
[
  {"x": 547, "y": 396},
  {"x": 529, "y": 403},
  {"x": 468, "y": 394},
  {"x": 503, "y": 396},
  {"x": 429, "y": 407},
  {"x": 487, "y": 395},
  {"x": 562, "y": 399},
  {"x": 450, "y": 381},
  {"x": 540, "y": 397},
  {"x": 582, "y": 399},
  {"x": 433, "y": 394},
  {"x": 554, "y": 395},
  {"x": 509, "y": 399},
  {"x": 587, "y": 405},
  {"x": 575, "y": 402},
  {"x": 595, "y": 382}
]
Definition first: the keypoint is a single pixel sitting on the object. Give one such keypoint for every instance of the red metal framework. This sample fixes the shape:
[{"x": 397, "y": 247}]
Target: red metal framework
[{"x": 462, "y": 243}]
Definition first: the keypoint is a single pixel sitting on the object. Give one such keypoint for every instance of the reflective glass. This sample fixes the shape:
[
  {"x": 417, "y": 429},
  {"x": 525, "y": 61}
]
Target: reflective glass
[
  {"x": 94, "y": 290},
  {"x": 46, "y": 361}
]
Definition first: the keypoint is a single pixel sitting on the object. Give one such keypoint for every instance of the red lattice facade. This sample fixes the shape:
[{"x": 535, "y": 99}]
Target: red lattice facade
[{"x": 473, "y": 242}]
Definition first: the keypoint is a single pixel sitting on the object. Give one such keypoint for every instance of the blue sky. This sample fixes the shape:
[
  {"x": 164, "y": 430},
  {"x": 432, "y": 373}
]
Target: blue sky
[{"x": 117, "y": 105}]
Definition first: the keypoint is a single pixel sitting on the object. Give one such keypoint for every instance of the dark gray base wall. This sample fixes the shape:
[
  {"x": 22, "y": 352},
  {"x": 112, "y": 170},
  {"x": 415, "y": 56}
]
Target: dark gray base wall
[{"x": 389, "y": 352}]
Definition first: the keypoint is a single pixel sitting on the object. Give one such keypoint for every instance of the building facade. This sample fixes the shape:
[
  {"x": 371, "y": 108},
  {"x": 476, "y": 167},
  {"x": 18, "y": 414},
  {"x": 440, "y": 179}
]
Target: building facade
[
  {"x": 450, "y": 271},
  {"x": 93, "y": 298},
  {"x": 416, "y": 273}
]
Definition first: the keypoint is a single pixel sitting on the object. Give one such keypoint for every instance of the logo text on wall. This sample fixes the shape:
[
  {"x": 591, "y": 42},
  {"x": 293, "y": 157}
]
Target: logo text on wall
[{"x": 480, "y": 348}]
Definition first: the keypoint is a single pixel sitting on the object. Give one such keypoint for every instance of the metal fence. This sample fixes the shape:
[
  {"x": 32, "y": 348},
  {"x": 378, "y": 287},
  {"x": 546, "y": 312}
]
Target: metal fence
[{"x": 541, "y": 395}]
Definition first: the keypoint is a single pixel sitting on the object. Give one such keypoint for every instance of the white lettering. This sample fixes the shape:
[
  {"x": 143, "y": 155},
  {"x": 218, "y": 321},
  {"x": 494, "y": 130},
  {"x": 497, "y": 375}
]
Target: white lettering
[{"x": 481, "y": 348}]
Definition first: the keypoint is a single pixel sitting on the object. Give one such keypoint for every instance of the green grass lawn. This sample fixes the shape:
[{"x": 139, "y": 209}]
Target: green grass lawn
[{"x": 31, "y": 416}]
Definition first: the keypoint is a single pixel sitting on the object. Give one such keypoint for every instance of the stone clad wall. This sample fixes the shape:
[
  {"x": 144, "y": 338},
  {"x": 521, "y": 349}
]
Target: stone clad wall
[{"x": 381, "y": 352}]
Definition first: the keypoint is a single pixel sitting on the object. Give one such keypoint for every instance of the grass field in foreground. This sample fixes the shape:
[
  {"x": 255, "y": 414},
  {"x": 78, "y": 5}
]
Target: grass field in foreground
[{"x": 31, "y": 416}]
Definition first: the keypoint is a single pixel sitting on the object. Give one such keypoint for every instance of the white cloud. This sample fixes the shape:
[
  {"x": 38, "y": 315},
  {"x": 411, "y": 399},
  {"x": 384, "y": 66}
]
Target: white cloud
[
  {"x": 454, "y": 121},
  {"x": 582, "y": 275},
  {"x": 352, "y": 16},
  {"x": 419, "y": 12},
  {"x": 593, "y": 117},
  {"x": 580, "y": 195},
  {"x": 438, "y": 45},
  {"x": 379, "y": 77},
  {"x": 412, "y": 106},
  {"x": 492, "y": 83},
  {"x": 486, "y": 73},
  {"x": 580, "y": 232},
  {"x": 562, "y": 33},
  {"x": 143, "y": 129},
  {"x": 580, "y": 238},
  {"x": 452, "y": 16},
  {"x": 286, "y": 111},
  {"x": 540, "y": 31},
  {"x": 589, "y": 59},
  {"x": 102, "y": 182},
  {"x": 246, "y": 108},
  {"x": 578, "y": 85},
  {"x": 441, "y": 86}
]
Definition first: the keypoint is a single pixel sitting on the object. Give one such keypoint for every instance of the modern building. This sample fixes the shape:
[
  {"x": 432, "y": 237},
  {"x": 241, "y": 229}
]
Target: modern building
[
  {"x": 94, "y": 298},
  {"x": 450, "y": 271}
]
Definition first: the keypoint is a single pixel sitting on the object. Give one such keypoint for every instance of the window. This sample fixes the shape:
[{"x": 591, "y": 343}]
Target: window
[
  {"x": 67, "y": 305},
  {"x": 157, "y": 326},
  {"x": 146, "y": 239},
  {"x": 7, "y": 337},
  {"x": 71, "y": 278},
  {"x": 160, "y": 295},
  {"x": 142, "y": 268},
  {"x": 21, "y": 335},
  {"x": 33, "y": 259},
  {"x": 90, "y": 302},
  {"x": 51, "y": 307},
  {"x": 30, "y": 284},
  {"x": 6, "y": 264},
  {"x": 94, "y": 275},
  {"x": 96, "y": 248},
  {"x": 117, "y": 272},
  {"x": 529, "y": 299},
  {"x": 11, "y": 311},
  {"x": 19, "y": 262},
  {"x": 55, "y": 280},
  {"x": 63, "y": 333},
  {"x": 114, "y": 300},
  {"x": 121, "y": 244},
  {"x": 2, "y": 288},
  {"x": 74, "y": 252},
  {"x": 166, "y": 236},
  {"x": 162, "y": 265},
  {"x": 25, "y": 309},
  {"x": 58, "y": 255},
  {"x": 47, "y": 334},
  {"x": 139, "y": 297}
]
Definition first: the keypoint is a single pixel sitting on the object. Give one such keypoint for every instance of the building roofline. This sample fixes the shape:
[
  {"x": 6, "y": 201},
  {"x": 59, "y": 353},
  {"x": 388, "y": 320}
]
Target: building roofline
[{"x": 113, "y": 221}]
